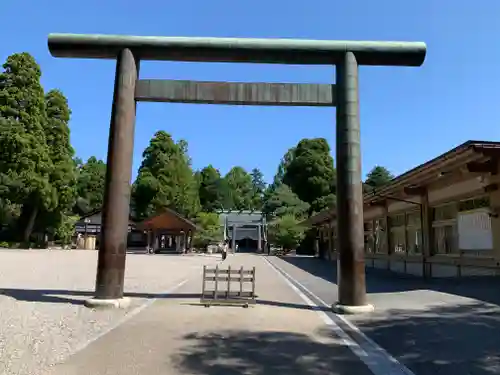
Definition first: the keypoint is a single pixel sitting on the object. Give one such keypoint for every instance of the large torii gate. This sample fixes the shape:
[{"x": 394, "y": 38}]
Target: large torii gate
[{"x": 128, "y": 89}]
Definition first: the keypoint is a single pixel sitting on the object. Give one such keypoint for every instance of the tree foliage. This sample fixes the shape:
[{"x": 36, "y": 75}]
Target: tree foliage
[
  {"x": 63, "y": 174},
  {"x": 284, "y": 202},
  {"x": 376, "y": 178},
  {"x": 241, "y": 191},
  {"x": 285, "y": 161},
  {"x": 310, "y": 173},
  {"x": 25, "y": 163},
  {"x": 210, "y": 229},
  {"x": 66, "y": 228},
  {"x": 165, "y": 179},
  {"x": 259, "y": 187},
  {"x": 211, "y": 192},
  {"x": 286, "y": 232},
  {"x": 90, "y": 185}
]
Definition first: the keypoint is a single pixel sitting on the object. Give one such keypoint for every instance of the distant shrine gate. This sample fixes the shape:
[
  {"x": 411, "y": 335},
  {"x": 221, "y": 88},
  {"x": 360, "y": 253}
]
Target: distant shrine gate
[{"x": 128, "y": 89}]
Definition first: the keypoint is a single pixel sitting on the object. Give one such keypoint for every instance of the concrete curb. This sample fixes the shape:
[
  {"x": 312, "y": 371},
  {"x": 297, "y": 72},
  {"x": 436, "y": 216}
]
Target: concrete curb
[
  {"x": 351, "y": 310},
  {"x": 119, "y": 303}
]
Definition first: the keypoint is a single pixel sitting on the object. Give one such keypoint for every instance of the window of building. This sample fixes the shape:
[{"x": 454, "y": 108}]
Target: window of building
[
  {"x": 445, "y": 229},
  {"x": 334, "y": 238},
  {"x": 473, "y": 204},
  {"x": 445, "y": 212},
  {"x": 380, "y": 236},
  {"x": 397, "y": 220},
  {"x": 398, "y": 236},
  {"x": 445, "y": 239},
  {"x": 398, "y": 240},
  {"x": 369, "y": 242},
  {"x": 413, "y": 232}
]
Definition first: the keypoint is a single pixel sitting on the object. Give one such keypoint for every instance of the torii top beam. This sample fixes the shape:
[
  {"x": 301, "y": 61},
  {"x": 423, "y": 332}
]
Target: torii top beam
[{"x": 271, "y": 51}]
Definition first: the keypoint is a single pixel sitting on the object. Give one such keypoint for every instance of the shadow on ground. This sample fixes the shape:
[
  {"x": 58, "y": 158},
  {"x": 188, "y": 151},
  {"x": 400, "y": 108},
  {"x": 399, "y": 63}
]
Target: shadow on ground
[
  {"x": 264, "y": 353},
  {"x": 383, "y": 281},
  {"x": 77, "y": 297},
  {"x": 463, "y": 339}
]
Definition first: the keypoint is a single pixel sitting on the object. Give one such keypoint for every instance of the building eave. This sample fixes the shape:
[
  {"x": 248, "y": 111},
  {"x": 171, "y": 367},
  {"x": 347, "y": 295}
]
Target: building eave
[{"x": 423, "y": 174}]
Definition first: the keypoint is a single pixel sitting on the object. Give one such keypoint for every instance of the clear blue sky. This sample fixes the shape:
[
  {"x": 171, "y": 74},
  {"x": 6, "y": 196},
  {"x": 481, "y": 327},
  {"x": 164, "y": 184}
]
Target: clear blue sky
[{"x": 408, "y": 115}]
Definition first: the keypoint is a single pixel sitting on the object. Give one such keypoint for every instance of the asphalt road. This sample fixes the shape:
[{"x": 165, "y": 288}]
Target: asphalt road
[
  {"x": 280, "y": 334},
  {"x": 438, "y": 326}
]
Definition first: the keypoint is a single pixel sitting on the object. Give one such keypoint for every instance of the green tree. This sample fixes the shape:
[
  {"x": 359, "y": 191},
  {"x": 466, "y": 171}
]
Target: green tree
[
  {"x": 285, "y": 161},
  {"x": 377, "y": 177},
  {"x": 280, "y": 172},
  {"x": 63, "y": 175},
  {"x": 211, "y": 194},
  {"x": 25, "y": 163},
  {"x": 239, "y": 184},
  {"x": 165, "y": 179},
  {"x": 259, "y": 187},
  {"x": 66, "y": 228},
  {"x": 286, "y": 232},
  {"x": 311, "y": 173},
  {"x": 226, "y": 195},
  {"x": 210, "y": 229},
  {"x": 284, "y": 202},
  {"x": 90, "y": 185},
  {"x": 9, "y": 212}
]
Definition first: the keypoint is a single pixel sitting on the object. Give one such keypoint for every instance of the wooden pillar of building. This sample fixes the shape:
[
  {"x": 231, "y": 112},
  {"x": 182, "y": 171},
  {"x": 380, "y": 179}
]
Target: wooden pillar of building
[
  {"x": 85, "y": 236},
  {"x": 233, "y": 239},
  {"x": 495, "y": 222},
  {"x": 330, "y": 240},
  {"x": 148, "y": 240},
  {"x": 259, "y": 241},
  {"x": 317, "y": 240},
  {"x": 115, "y": 215},
  {"x": 185, "y": 242},
  {"x": 427, "y": 233},
  {"x": 388, "y": 237},
  {"x": 180, "y": 242},
  {"x": 189, "y": 240},
  {"x": 156, "y": 237}
]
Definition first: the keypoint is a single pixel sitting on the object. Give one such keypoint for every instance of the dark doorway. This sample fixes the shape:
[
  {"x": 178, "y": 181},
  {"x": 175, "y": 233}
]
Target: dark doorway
[{"x": 247, "y": 245}]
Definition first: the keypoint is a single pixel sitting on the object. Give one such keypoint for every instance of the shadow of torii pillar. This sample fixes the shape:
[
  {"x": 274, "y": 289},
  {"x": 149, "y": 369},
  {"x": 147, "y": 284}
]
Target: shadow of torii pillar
[{"x": 345, "y": 55}]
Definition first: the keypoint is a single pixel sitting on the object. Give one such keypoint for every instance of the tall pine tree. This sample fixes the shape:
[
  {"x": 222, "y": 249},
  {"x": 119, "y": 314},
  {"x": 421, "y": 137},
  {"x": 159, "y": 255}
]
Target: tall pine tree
[
  {"x": 165, "y": 179},
  {"x": 239, "y": 184},
  {"x": 311, "y": 174},
  {"x": 63, "y": 176},
  {"x": 25, "y": 163},
  {"x": 210, "y": 189}
]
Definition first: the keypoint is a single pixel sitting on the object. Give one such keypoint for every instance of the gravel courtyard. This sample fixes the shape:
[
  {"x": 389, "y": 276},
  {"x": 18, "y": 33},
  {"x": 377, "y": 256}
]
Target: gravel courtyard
[{"x": 42, "y": 317}]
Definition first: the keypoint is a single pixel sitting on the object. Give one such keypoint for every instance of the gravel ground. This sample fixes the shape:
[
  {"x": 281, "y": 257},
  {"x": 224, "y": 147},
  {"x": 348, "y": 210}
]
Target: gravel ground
[{"x": 42, "y": 319}]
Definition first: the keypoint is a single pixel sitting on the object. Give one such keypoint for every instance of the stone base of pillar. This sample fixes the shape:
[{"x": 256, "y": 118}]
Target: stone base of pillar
[
  {"x": 118, "y": 303},
  {"x": 344, "y": 309}
]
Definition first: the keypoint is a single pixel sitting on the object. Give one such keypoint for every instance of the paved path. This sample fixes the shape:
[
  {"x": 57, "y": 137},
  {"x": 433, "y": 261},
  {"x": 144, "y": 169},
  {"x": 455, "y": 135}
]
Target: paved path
[
  {"x": 282, "y": 334},
  {"x": 446, "y": 327}
]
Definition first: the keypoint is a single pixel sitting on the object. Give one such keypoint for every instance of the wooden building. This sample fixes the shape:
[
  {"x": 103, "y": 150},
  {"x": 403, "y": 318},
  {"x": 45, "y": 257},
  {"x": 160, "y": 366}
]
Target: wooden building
[
  {"x": 440, "y": 219},
  {"x": 88, "y": 230},
  {"x": 168, "y": 231},
  {"x": 245, "y": 228}
]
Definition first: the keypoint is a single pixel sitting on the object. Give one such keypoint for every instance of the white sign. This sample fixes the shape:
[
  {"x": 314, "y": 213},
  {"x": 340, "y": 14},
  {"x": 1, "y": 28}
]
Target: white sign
[{"x": 474, "y": 231}]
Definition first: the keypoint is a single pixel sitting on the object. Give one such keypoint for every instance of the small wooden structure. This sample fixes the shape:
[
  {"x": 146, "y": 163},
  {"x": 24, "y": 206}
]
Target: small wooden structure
[
  {"x": 88, "y": 230},
  {"x": 168, "y": 231},
  {"x": 222, "y": 280},
  {"x": 245, "y": 228}
]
